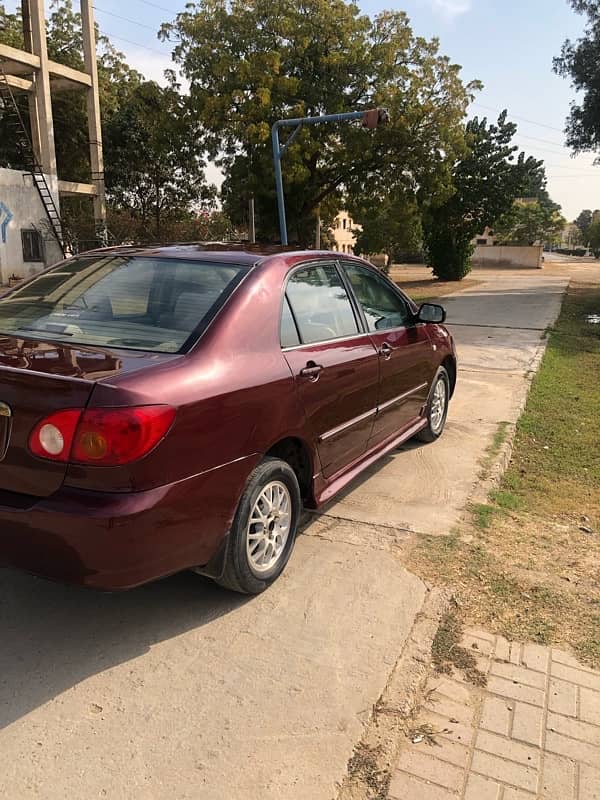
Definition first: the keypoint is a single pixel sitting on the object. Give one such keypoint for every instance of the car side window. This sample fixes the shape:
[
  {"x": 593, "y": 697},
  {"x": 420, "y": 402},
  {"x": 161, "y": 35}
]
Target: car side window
[
  {"x": 384, "y": 308},
  {"x": 320, "y": 303},
  {"x": 289, "y": 331}
]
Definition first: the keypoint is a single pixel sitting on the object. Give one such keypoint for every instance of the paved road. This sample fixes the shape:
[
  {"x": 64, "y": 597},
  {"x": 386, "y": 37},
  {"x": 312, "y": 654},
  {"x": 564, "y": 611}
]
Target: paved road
[{"x": 180, "y": 690}]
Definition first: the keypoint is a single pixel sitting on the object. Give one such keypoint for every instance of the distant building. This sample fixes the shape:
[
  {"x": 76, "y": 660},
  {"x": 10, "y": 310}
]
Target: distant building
[
  {"x": 27, "y": 243},
  {"x": 571, "y": 237},
  {"x": 345, "y": 240},
  {"x": 486, "y": 239}
]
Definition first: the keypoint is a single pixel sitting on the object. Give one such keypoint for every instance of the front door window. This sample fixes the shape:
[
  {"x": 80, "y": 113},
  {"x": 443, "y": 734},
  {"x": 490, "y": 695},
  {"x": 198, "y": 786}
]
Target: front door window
[{"x": 383, "y": 307}]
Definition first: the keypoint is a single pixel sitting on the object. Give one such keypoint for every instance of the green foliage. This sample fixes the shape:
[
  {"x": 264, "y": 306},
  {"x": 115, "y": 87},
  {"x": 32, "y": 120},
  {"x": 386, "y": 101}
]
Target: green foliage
[
  {"x": 594, "y": 236},
  {"x": 583, "y": 222},
  {"x": 530, "y": 222},
  {"x": 389, "y": 225},
  {"x": 152, "y": 144},
  {"x": 485, "y": 184},
  {"x": 293, "y": 59},
  {"x": 580, "y": 62},
  {"x": 155, "y": 167}
]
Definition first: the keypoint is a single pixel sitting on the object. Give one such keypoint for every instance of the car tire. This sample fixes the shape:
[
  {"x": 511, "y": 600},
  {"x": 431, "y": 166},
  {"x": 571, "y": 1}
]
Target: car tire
[
  {"x": 437, "y": 407},
  {"x": 264, "y": 528}
]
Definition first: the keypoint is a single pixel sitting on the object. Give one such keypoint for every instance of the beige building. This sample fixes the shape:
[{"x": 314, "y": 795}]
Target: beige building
[{"x": 342, "y": 231}]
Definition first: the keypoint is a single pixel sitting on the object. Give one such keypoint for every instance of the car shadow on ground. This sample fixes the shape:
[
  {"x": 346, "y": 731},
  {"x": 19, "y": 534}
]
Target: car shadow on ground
[{"x": 53, "y": 636}]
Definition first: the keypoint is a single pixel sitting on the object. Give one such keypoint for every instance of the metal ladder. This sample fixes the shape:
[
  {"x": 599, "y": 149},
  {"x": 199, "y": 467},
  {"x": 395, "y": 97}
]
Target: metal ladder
[{"x": 15, "y": 124}]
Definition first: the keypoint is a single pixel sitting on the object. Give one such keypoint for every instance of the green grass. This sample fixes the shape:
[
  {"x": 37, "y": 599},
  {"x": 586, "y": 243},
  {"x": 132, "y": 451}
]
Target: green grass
[
  {"x": 506, "y": 499},
  {"x": 482, "y": 515},
  {"x": 556, "y": 458}
]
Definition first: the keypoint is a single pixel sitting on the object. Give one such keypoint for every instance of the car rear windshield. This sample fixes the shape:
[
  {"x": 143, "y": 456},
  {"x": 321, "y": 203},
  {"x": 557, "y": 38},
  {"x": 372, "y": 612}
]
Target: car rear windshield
[{"x": 137, "y": 303}]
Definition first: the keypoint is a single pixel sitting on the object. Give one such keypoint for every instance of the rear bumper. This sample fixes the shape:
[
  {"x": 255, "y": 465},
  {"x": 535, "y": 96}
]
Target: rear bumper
[{"x": 115, "y": 541}]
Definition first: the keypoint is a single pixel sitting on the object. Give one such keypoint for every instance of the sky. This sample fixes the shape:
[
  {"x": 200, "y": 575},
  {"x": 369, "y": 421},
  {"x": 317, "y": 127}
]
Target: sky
[{"x": 506, "y": 44}]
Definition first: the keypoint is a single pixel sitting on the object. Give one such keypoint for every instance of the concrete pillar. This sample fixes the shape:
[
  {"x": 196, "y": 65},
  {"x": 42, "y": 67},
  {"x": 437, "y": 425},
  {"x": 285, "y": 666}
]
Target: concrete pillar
[
  {"x": 31, "y": 96},
  {"x": 93, "y": 114},
  {"x": 41, "y": 81}
]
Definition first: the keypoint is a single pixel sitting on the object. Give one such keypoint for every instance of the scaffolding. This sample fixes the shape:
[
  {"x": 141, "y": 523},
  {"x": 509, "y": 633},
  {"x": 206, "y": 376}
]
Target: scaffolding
[{"x": 32, "y": 72}]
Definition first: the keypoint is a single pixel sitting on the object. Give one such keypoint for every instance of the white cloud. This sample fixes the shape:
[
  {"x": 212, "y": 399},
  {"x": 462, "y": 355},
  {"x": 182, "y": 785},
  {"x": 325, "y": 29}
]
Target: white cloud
[{"x": 451, "y": 8}]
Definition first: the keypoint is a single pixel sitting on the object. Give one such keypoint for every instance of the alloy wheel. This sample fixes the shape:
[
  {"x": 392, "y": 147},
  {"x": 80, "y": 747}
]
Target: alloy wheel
[
  {"x": 269, "y": 527},
  {"x": 438, "y": 405}
]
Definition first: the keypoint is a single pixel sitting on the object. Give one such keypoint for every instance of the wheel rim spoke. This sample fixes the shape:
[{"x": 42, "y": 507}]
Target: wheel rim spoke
[
  {"x": 268, "y": 527},
  {"x": 438, "y": 405}
]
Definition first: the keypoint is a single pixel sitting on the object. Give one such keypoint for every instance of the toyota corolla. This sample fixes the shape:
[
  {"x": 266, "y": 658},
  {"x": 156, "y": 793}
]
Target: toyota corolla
[{"x": 174, "y": 408}]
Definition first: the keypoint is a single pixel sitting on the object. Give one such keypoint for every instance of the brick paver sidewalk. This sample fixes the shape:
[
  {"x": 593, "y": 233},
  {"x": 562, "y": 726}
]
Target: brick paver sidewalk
[{"x": 533, "y": 732}]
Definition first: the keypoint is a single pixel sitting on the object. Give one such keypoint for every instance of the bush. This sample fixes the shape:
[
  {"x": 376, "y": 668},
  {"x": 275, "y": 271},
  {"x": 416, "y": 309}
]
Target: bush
[{"x": 449, "y": 255}]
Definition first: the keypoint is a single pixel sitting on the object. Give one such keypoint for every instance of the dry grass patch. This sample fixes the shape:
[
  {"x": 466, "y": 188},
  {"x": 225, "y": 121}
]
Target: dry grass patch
[{"x": 448, "y": 654}]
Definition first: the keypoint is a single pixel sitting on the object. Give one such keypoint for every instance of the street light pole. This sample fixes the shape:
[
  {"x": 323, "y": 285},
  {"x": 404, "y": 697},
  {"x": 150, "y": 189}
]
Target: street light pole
[{"x": 371, "y": 119}]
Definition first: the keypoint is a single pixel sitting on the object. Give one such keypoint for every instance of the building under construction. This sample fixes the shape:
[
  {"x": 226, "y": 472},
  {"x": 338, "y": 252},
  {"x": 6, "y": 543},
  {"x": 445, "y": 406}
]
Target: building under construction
[{"x": 31, "y": 235}]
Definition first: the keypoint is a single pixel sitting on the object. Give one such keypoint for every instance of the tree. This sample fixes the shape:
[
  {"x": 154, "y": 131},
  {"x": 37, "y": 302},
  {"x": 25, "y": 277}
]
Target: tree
[
  {"x": 486, "y": 182},
  {"x": 580, "y": 61},
  {"x": 594, "y": 236},
  {"x": 583, "y": 222},
  {"x": 155, "y": 166},
  {"x": 307, "y": 57},
  {"x": 389, "y": 224},
  {"x": 530, "y": 222}
]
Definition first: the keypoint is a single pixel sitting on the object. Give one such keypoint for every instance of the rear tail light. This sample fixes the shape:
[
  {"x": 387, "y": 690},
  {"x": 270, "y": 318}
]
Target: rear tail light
[{"x": 102, "y": 436}]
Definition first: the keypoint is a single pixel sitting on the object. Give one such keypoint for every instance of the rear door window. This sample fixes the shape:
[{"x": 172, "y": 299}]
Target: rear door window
[
  {"x": 320, "y": 304},
  {"x": 289, "y": 331}
]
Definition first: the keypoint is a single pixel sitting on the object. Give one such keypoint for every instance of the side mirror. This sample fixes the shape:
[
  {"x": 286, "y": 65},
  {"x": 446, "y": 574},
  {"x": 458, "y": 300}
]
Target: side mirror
[{"x": 431, "y": 312}]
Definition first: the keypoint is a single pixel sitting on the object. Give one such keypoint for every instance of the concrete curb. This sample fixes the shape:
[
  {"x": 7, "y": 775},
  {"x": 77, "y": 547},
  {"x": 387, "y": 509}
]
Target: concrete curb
[{"x": 374, "y": 758}]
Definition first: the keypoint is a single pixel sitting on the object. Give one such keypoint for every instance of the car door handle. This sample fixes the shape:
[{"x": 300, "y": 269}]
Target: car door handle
[
  {"x": 386, "y": 351},
  {"x": 311, "y": 371}
]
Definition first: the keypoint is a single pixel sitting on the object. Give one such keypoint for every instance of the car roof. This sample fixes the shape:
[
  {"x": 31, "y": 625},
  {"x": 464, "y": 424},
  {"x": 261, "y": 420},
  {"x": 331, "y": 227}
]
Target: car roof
[{"x": 226, "y": 252}]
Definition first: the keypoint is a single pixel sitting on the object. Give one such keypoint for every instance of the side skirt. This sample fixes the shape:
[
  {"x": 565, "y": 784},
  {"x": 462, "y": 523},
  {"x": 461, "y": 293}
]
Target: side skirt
[{"x": 337, "y": 482}]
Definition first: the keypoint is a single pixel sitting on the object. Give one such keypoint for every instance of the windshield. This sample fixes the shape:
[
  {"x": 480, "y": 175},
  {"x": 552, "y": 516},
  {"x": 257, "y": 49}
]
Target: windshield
[{"x": 120, "y": 301}]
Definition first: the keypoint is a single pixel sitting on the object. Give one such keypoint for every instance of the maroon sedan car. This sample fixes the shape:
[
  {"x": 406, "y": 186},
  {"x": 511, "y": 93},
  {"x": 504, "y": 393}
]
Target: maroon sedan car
[{"x": 172, "y": 408}]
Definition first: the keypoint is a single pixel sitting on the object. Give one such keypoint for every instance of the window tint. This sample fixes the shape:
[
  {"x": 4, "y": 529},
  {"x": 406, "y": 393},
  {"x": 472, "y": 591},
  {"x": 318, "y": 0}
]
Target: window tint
[
  {"x": 131, "y": 302},
  {"x": 321, "y": 304},
  {"x": 289, "y": 332},
  {"x": 384, "y": 308}
]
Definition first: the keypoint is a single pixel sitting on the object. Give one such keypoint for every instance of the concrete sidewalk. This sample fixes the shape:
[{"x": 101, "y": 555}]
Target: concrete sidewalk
[{"x": 533, "y": 733}]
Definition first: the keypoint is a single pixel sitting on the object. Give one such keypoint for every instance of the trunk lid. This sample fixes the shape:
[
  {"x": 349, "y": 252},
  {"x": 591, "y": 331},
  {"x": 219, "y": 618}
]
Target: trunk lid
[{"x": 37, "y": 378}]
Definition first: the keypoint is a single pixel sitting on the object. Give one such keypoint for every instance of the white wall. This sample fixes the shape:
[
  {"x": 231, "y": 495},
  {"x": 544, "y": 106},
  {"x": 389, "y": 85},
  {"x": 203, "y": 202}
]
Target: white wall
[
  {"x": 21, "y": 198},
  {"x": 509, "y": 256}
]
